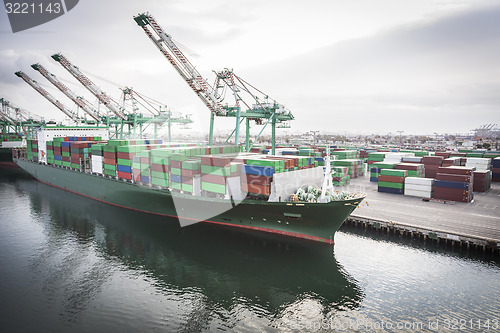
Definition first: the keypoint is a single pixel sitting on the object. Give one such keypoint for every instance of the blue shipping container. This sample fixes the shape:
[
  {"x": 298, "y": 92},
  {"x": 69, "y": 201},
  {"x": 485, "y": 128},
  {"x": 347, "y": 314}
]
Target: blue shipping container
[
  {"x": 258, "y": 170},
  {"x": 450, "y": 184}
]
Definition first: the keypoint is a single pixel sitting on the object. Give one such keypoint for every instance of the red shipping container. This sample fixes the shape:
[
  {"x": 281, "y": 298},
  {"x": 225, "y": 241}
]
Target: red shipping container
[
  {"x": 256, "y": 189},
  {"x": 456, "y": 170},
  {"x": 187, "y": 180},
  {"x": 145, "y": 160},
  {"x": 481, "y": 174},
  {"x": 65, "y": 158},
  {"x": 442, "y": 154},
  {"x": 109, "y": 155},
  {"x": 454, "y": 178},
  {"x": 432, "y": 160},
  {"x": 258, "y": 180},
  {"x": 124, "y": 175},
  {"x": 214, "y": 179},
  {"x": 110, "y": 161},
  {"x": 125, "y": 156},
  {"x": 175, "y": 164},
  {"x": 160, "y": 167},
  {"x": 391, "y": 179},
  {"x": 190, "y": 173},
  {"x": 451, "y": 191},
  {"x": 408, "y": 166},
  {"x": 217, "y": 161}
]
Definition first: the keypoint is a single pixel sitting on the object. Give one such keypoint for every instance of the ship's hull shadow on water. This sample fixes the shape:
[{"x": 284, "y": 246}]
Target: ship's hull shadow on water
[{"x": 225, "y": 265}]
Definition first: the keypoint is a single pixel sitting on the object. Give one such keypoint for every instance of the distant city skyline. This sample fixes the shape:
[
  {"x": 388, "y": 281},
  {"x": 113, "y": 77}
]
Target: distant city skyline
[{"x": 357, "y": 67}]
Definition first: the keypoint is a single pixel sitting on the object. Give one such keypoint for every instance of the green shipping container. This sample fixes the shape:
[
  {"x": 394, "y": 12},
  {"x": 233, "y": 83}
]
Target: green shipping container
[
  {"x": 215, "y": 188},
  {"x": 391, "y": 185},
  {"x": 394, "y": 172},
  {"x": 124, "y": 162},
  {"x": 187, "y": 188},
  {"x": 219, "y": 171},
  {"x": 110, "y": 167},
  {"x": 159, "y": 175},
  {"x": 159, "y": 182}
]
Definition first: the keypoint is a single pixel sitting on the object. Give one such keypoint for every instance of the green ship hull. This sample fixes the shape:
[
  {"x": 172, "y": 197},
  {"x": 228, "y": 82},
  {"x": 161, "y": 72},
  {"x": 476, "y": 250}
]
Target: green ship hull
[{"x": 312, "y": 221}]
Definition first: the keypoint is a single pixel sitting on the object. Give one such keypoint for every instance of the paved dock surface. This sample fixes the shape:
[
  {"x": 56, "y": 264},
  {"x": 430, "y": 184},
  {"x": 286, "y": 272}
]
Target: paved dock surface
[{"x": 476, "y": 223}]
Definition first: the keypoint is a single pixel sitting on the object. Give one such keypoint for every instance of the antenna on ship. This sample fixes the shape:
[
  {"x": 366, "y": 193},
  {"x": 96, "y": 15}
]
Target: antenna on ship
[{"x": 327, "y": 180}]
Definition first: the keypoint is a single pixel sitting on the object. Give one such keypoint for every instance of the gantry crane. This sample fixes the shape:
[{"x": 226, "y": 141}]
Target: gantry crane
[
  {"x": 73, "y": 116},
  {"x": 133, "y": 119},
  {"x": 212, "y": 98},
  {"x": 87, "y": 83},
  {"x": 160, "y": 117},
  {"x": 79, "y": 101},
  {"x": 17, "y": 120}
]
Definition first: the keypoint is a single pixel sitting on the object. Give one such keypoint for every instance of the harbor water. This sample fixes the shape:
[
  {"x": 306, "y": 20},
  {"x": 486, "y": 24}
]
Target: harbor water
[{"x": 69, "y": 263}]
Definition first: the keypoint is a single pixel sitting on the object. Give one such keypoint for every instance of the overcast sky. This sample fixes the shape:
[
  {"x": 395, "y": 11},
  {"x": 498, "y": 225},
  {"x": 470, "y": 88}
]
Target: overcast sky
[{"x": 340, "y": 66}]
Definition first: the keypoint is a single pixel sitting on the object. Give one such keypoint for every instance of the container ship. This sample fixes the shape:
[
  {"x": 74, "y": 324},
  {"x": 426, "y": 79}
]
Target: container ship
[
  {"x": 287, "y": 195},
  {"x": 7, "y": 142}
]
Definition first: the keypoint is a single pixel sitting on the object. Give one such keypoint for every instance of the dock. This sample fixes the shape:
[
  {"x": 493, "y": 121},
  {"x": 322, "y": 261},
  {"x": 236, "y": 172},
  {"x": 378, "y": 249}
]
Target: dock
[{"x": 473, "y": 225}]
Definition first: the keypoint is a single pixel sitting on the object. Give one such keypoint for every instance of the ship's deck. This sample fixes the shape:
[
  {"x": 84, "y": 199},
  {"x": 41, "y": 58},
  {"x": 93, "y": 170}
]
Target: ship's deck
[{"x": 477, "y": 222}]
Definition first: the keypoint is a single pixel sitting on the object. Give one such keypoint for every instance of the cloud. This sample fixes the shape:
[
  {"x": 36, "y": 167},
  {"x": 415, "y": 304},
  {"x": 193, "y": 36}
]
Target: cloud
[{"x": 429, "y": 71}]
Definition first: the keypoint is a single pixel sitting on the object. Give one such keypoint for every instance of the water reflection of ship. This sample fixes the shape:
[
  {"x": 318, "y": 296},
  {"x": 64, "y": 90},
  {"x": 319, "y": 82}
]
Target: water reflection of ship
[{"x": 225, "y": 266}]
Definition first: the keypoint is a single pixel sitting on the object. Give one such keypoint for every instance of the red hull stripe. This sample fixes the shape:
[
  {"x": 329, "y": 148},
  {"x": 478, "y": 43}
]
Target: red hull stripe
[{"x": 280, "y": 232}]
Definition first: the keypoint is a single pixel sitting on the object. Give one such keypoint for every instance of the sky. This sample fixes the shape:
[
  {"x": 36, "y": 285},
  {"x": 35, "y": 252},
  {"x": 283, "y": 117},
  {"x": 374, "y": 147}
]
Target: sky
[{"x": 340, "y": 66}]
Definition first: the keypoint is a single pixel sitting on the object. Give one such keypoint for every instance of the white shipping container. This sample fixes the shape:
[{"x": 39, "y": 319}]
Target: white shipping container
[
  {"x": 425, "y": 188},
  {"x": 421, "y": 194},
  {"x": 477, "y": 160},
  {"x": 97, "y": 164},
  {"x": 419, "y": 181}
]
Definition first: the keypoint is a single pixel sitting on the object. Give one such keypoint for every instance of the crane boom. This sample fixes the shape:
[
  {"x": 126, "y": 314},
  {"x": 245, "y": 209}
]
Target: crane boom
[
  {"x": 188, "y": 72},
  {"x": 87, "y": 83},
  {"x": 65, "y": 90},
  {"x": 4, "y": 112},
  {"x": 48, "y": 96}
]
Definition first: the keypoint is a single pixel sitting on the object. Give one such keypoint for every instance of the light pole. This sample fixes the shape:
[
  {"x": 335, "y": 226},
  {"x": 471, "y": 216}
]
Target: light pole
[{"x": 400, "y": 137}]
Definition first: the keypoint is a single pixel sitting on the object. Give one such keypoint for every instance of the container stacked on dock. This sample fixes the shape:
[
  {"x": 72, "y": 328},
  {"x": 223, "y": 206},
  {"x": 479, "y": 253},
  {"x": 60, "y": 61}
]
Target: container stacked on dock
[
  {"x": 377, "y": 167},
  {"x": 355, "y": 167},
  {"x": 478, "y": 163},
  {"x": 392, "y": 181},
  {"x": 375, "y": 157},
  {"x": 482, "y": 180},
  {"x": 454, "y": 183},
  {"x": 340, "y": 176},
  {"x": 344, "y": 154},
  {"x": 431, "y": 165},
  {"x": 414, "y": 169},
  {"x": 452, "y": 161},
  {"x": 495, "y": 164},
  {"x": 419, "y": 187}
]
